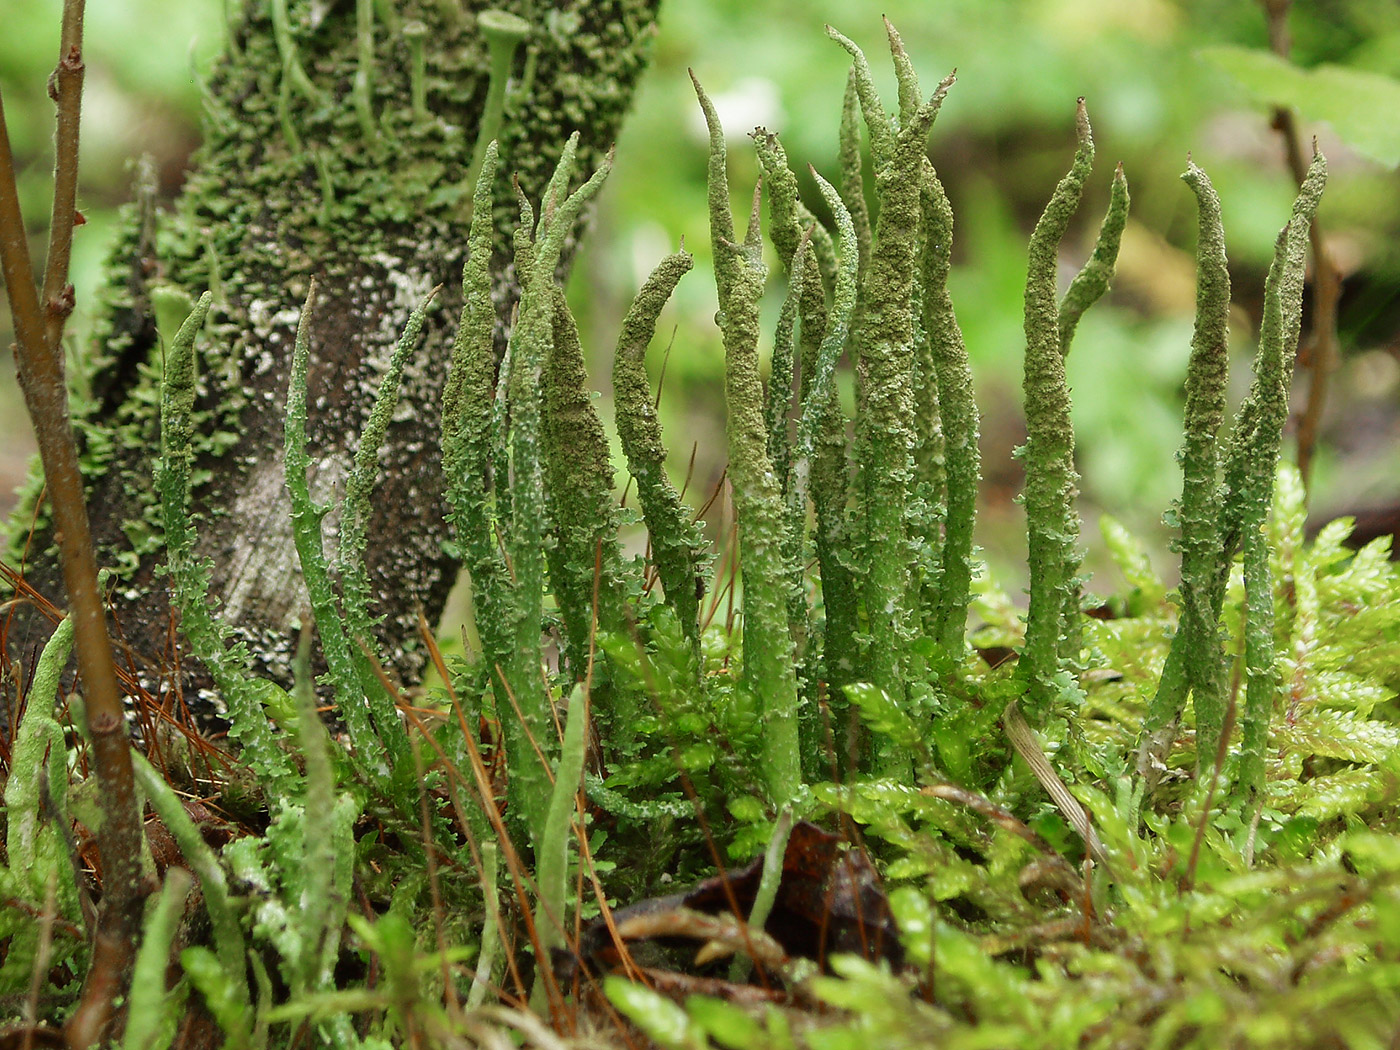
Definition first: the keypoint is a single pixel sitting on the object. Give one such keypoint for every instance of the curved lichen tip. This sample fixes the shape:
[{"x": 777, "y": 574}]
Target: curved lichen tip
[
  {"x": 753, "y": 233},
  {"x": 717, "y": 175},
  {"x": 876, "y": 119},
  {"x": 489, "y": 159},
  {"x": 712, "y": 123},
  {"x": 558, "y": 184},
  {"x": 923, "y": 118},
  {"x": 1310, "y": 193},
  {"x": 908, "y": 80}
]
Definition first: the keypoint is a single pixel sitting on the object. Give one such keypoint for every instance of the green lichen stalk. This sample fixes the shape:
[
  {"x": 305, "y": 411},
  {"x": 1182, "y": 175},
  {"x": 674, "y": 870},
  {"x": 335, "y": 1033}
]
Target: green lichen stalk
[
  {"x": 830, "y": 466},
  {"x": 354, "y": 519},
  {"x": 584, "y": 558},
  {"x": 1092, "y": 281},
  {"x": 790, "y": 228},
  {"x": 677, "y": 548},
  {"x": 885, "y": 367},
  {"x": 819, "y": 402},
  {"x": 307, "y": 516},
  {"x": 957, "y": 408},
  {"x": 769, "y": 663},
  {"x": 189, "y": 575},
  {"x": 1249, "y": 476},
  {"x": 531, "y": 346},
  {"x": 469, "y": 438},
  {"x": 852, "y": 169},
  {"x": 780, "y": 450},
  {"x": 782, "y": 368},
  {"x": 1196, "y": 662},
  {"x": 1088, "y": 286},
  {"x": 1051, "y": 520}
]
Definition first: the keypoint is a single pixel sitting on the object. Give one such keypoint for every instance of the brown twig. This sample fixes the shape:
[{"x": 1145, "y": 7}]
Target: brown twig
[
  {"x": 66, "y": 90},
  {"x": 38, "y": 336},
  {"x": 1319, "y": 353}
]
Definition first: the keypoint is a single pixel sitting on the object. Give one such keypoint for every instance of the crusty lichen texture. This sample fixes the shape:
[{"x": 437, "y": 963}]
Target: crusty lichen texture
[{"x": 317, "y": 163}]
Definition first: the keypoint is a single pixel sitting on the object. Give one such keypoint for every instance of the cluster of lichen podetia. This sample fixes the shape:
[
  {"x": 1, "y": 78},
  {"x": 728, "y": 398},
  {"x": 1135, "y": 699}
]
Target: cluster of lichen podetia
[{"x": 531, "y": 487}]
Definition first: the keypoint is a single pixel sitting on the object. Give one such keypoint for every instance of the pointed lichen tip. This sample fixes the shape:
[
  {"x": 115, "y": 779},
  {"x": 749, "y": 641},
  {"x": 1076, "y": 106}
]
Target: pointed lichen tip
[
  {"x": 708, "y": 108},
  {"x": 896, "y": 42},
  {"x": 1082, "y": 130},
  {"x": 755, "y": 212},
  {"x": 844, "y": 41}
]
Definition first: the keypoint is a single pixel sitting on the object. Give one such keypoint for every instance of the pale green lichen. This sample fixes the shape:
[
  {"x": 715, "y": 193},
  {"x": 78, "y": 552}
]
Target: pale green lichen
[
  {"x": 1196, "y": 661},
  {"x": 677, "y": 548},
  {"x": 769, "y": 664},
  {"x": 1251, "y": 464},
  {"x": 307, "y": 515},
  {"x": 957, "y": 409},
  {"x": 885, "y": 364},
  {"x": 362, "y": 89},
  {"x": 242, "y": 694},
  {"x": 415, "y": 33},
  {"x": 354, "y": 519},
  {"x": 470, "y": 437},
  {"x": 585, "y": 561},
  {"x": 819, "y": 404},
  {"x": 531, "y": 727},
  {"x": 1092, "y": 281},
  {"x": 36, "y": 795},
  {"x": 795, "y": 348},
  {"x": 1051, "y": 520},
  {"x": 503, "y": 33}
]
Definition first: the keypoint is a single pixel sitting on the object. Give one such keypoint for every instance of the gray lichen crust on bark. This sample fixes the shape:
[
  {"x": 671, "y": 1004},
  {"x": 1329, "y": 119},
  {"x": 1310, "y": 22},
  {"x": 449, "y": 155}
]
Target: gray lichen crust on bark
[{"x": 317, "y": 163}]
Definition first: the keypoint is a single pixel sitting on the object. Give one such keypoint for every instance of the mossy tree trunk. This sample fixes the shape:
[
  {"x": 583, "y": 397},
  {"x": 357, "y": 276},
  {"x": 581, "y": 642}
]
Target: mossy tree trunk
[{"x": 339, "y": 139}]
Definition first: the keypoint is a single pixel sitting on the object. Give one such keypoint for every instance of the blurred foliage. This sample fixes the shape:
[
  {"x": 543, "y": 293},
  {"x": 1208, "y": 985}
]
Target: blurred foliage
[{"x": 999, "y": 143}]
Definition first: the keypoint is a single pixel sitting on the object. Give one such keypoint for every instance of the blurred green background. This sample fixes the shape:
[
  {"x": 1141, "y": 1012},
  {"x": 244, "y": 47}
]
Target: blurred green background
[{"x": 1004, "y": 136}]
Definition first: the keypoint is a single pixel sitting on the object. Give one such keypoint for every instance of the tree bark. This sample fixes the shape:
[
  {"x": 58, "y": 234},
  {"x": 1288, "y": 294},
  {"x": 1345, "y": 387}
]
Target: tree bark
[{"x": 317, "y": 162}]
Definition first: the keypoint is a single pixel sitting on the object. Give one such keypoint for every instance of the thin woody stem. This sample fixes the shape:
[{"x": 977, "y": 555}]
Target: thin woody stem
[
  {"x": 38, "y": 332},
  {"x": 1320, "y": 352},
  {"x": 66, "y": 89}
]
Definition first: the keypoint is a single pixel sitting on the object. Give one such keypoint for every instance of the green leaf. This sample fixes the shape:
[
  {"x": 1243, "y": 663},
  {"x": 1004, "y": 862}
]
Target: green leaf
[
  {"x": 726, "y": 1023},
  {"x": 1359, "y": 105},
  {"x": 660, "y": 1019}
]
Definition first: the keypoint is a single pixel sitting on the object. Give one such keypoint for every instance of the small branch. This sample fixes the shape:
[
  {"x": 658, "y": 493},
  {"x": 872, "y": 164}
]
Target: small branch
[
  {"x": 1319, "y": 354},
  {"x": 66, "y": 89},
  {"x": 38, "y": 332}
]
